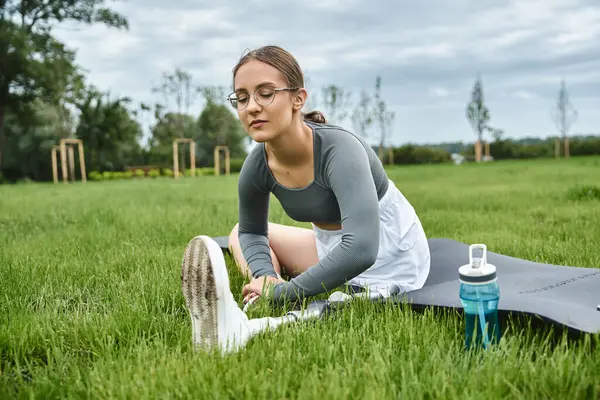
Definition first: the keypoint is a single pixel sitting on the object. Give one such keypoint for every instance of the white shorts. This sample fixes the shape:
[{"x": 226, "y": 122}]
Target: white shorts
[{"x": 403, "y": 259}]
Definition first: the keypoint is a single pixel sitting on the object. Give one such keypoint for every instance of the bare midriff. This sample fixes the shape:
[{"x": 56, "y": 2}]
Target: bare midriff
[{"x": 328, "y": 226}]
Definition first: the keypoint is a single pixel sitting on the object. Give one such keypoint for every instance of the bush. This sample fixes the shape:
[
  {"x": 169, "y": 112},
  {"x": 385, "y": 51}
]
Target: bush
[
  {"x": 235, "y": 164},
  {"x": 207, "y": 171},
  {"x": 584, "y": 147},
  {"x": 411, "y": 154},
  {"x": 118, "y": 175},
  {"x": 167, "y": 172},
  {"x": 153, "y": 173},
  {"x": 95, "y": 176}
]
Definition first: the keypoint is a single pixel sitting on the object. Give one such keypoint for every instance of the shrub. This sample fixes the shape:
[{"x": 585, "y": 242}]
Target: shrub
[
  {"x": 235, "y": 164},
  {"x": 95, "y": 176},
  {"x": 206, "y": 171},
  {"x": 411, "y": 154},
  {"x": 154, "y": 173},
  {"x": 117, "y": 175}
]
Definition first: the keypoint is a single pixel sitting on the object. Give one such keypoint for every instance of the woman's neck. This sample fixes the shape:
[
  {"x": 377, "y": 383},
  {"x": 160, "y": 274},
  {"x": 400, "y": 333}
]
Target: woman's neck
[{"x": 294, "y": 147}]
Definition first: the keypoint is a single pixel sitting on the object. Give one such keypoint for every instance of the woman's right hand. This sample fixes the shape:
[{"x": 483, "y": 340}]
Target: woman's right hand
[{"x": 257, "y": 285}]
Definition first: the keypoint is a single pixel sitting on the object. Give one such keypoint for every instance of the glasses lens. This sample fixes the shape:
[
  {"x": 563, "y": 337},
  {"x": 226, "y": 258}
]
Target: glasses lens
[
  {"x": 264, "y": 96},
  {"x": 237, "y": 101}
]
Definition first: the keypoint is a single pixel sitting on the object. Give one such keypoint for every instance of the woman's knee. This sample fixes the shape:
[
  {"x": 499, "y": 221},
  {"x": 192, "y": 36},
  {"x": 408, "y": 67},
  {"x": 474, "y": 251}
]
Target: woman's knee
[{"x": 236, "y": 250}]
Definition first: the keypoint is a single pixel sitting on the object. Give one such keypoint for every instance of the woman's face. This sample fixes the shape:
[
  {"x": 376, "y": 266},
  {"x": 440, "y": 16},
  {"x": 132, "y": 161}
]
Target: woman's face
[{"x": 264, "y": 122}]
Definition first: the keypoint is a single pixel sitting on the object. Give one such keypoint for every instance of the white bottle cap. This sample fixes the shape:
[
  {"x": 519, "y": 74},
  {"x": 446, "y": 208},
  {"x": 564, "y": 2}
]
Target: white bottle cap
[{"x": 477, "y": 271}]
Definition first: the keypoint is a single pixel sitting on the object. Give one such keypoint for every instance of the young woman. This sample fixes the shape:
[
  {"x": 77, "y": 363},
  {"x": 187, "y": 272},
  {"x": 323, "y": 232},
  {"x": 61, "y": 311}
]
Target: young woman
[{"x": 364, "y": 232}]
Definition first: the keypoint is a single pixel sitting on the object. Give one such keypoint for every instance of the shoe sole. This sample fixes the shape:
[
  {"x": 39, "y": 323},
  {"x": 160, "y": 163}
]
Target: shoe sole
[{"x": 200, "y": 292}]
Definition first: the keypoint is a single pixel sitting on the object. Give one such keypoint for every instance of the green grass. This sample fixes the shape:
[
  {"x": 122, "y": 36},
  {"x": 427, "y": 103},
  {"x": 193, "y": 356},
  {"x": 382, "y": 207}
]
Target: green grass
[{"x": 91, "y": 304}]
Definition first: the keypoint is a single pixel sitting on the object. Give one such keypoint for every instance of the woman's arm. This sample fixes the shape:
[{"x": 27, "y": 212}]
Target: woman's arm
[
  {"x": 348, "y": 172},
  {"x": 253, "y": 224}
]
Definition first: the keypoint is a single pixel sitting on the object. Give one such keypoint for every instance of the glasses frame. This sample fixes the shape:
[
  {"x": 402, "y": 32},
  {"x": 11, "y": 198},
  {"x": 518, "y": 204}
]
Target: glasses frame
[{"x": 253, "y": 94}]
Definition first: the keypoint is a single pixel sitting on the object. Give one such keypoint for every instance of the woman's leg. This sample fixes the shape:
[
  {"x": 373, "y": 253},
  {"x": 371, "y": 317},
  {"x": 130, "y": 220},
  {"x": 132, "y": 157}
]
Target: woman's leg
[{"x": 293, "y": 249}]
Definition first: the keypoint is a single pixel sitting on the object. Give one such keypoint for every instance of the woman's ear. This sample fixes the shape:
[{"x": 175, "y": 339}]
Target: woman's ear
[{"x": 300, "y": 98}]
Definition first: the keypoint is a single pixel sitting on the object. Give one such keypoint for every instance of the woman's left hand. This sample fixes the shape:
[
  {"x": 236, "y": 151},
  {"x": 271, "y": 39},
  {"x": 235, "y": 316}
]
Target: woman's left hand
[{"x": 259, "y": 286}]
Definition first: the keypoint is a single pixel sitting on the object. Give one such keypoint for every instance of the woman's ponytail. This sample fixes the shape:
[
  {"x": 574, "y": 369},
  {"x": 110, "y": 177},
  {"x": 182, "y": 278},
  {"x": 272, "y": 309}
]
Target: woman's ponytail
[{"x": 315, "y": 116}]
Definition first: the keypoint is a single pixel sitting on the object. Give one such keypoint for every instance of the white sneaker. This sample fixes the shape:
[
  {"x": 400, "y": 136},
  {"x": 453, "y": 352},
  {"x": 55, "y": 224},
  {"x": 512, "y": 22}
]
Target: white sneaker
[{"x": 217, "y": 320}]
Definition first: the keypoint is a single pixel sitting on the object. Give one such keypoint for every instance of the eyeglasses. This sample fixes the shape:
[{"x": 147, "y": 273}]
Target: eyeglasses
[{"x": 263, "y": 96}]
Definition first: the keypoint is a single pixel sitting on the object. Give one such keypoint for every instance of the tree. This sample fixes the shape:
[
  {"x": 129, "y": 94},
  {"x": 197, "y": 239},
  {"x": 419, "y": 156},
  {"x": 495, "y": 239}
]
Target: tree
[
  {"x": 362, "y": 116},
  {"x": 564, "y": 115},
  {"x": 110, "y": 132},
  {"x": 177, "y": 86},
  {"x": 31, "y": 133},
  {"x": 384, "y": 117},
  {"x": 478, "y": 115},
  {"x": 336, "y": 100},
  {"x": 32, "y": 62},
  {"x": 216, "y": 125},
  {"x": 213, "y": 94},
  {"x": 497, "y": 134},
  {"x": 169, "y": 127}
]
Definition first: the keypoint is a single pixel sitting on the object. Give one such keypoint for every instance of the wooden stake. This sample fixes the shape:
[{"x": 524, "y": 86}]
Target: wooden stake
[
  {"x": 71, "y": 158},
  {"x": 63, "y": 160},
  {"x": 54, "y": 164},
  {"x": 70, "y": 154},
  {"x": 175, "y": 160},
  {"x": 82, "y": 162},
  {"x": 478, "y": 151},
  {"x": 192, "y": 145},
  {"x": 193, "y": 157},
  {"x": 217, "y": 158}
]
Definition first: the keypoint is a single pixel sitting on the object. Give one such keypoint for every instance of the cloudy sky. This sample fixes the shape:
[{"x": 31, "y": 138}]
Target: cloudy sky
[{"x": 428, "y": 54}]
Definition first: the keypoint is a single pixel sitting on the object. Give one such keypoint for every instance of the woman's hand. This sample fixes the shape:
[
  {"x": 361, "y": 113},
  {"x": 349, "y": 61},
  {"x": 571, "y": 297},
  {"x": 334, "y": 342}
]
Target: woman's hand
[{"x": 258, "y": 286}]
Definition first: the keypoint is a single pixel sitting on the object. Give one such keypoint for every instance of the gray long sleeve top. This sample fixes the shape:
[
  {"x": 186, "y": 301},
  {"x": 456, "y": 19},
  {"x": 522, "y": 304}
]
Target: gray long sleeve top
[{"x": 348, "y": 183}]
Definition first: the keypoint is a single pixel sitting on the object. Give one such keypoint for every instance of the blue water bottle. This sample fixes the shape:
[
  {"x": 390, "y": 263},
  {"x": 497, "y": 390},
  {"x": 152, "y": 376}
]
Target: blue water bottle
[{"x": 479, "y": 294}]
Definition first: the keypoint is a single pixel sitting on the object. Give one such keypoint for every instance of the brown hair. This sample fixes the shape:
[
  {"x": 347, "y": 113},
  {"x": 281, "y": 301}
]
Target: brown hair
[{"x": 285, "y": 62}]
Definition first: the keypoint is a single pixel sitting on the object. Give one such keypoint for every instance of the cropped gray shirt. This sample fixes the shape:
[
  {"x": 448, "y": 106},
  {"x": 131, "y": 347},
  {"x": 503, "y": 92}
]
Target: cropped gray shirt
[{"x": 348, "y": 183}]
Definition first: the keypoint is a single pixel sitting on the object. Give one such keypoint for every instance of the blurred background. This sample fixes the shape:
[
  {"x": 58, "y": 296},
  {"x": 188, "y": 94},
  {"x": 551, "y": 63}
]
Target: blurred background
[{"x": 428, "y": 82}]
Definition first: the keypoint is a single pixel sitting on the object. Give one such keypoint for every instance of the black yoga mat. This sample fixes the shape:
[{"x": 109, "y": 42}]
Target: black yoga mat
[{"x": 565, "y": 295}]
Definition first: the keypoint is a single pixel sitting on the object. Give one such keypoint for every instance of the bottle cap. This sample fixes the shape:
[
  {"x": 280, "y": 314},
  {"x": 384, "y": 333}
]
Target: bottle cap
[{"x": 477, "y": 271}]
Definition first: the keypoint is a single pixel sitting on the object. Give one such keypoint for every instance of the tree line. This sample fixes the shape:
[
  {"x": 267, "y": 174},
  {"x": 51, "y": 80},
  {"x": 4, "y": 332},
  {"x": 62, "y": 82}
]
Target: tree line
[
  {"x": 564, "y": 116},
  {"x": 44, "y": 97}
]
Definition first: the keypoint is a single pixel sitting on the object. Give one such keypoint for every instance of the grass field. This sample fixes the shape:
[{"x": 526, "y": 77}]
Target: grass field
[{"x": 91, "y": 303}]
